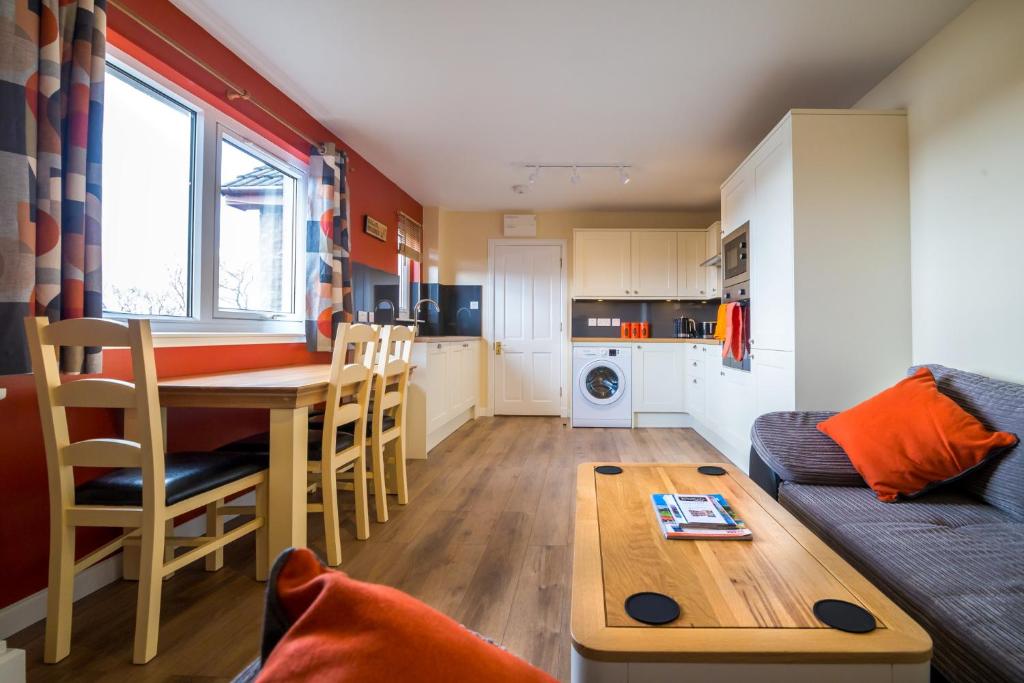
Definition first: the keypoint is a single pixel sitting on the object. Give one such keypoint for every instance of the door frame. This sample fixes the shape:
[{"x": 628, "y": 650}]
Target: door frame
[{"x": 488, "y": 316}]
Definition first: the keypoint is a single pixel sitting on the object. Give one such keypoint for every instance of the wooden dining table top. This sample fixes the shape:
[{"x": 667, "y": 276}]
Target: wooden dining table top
[{"x": 292, "y": 386}]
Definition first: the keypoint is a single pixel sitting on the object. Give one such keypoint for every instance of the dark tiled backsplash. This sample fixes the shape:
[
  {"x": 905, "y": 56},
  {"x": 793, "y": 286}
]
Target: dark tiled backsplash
[
  {"x": 458, "y": 315},
  {"x": 660, "y": 314},
  {"x": 377, "y": 291}
]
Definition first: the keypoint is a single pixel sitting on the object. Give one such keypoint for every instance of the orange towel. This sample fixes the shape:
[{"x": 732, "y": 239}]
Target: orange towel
[
  {"x": 720, "y": 322},
  {"x": 735, "y": 332}
]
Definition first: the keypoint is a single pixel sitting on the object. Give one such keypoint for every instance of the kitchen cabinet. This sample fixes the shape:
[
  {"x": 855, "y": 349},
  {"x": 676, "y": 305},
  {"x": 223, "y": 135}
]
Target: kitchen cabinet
[
  {"x": 826, "y": 196},
  {"x": 602, "y": 266},
  {"x": 640, "y": 264},
  {"x": 713, "y": 247},
  {"x": 658, "y": 371},
  {"x": 696, "y": 359},
  {"x": 693, "y": 279},
  {"x": 655, "y": 270},
  {"x": 443, "y": 392}
]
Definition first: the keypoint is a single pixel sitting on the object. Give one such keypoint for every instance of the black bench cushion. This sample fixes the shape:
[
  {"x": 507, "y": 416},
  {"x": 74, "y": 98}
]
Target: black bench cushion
[
  {"x": 186, "y": 474},
  {"x": 260, "y": 443},
  {"x": 953, "y": 563}
]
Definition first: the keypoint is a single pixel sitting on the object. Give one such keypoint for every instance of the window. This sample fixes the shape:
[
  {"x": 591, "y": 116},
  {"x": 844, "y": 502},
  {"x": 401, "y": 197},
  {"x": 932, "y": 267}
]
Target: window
[
  {"x": 410, "y": 247},
  {"x": 147, "y": 199},
  {"x": 203, "y": 223}
]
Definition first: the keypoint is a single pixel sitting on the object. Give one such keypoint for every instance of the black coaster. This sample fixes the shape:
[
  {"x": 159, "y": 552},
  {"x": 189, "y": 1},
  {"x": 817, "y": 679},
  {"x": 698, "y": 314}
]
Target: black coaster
[
  {"x": 713, "y": 470},
  {"x": 652, "y": 608},
  {"x": 844, "y": 616},
  {"x": 608, "y": 469}
]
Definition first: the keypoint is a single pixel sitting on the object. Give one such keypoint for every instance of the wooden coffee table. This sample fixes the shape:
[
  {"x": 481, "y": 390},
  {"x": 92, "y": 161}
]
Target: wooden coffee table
[{"x": 746, "y": 606}]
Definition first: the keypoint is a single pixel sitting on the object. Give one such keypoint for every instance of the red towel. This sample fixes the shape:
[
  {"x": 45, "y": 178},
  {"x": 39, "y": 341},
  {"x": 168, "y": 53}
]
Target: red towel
[{"x": 735, "y": 332}]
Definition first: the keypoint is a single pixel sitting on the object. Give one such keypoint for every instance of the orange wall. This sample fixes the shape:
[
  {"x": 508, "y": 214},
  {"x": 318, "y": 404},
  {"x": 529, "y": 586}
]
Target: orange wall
[{"x": 24, "y": 507}]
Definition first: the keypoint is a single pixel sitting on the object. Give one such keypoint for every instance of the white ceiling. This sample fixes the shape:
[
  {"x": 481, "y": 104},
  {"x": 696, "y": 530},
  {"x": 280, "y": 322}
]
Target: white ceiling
[{"x": 446, "y": 96}]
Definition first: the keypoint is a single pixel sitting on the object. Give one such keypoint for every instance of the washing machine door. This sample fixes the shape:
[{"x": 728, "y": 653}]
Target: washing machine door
[{"x": 602, "y": 382}]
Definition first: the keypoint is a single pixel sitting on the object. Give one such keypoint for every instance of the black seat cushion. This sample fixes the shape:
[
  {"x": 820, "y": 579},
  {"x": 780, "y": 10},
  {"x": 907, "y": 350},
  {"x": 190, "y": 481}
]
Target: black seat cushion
[
  {"x": 186, "y": 474},
  {"x": 260, "y": 443},
  {"x": 387, "y": 423}
]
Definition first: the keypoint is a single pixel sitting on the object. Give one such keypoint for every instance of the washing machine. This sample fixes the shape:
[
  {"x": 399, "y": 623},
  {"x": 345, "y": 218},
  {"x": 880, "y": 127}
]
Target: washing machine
[{"x": 601, "y": 386}]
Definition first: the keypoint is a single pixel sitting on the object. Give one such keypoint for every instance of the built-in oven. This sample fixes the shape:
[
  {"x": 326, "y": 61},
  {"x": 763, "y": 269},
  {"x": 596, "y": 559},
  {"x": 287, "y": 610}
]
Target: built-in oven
[
  {"x": 736, "y": 256},
  {"x": 739, "y": 294}
]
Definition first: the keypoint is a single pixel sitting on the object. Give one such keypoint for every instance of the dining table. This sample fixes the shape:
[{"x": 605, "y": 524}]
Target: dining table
[{"x": 287, "y": 394}]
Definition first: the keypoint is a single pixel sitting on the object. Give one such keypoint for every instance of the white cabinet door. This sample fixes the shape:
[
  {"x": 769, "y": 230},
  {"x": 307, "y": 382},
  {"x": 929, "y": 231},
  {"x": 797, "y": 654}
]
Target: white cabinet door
[
  {"x": 740, "y": 408},
  {"x": 456, "y": 379},
  {"x": 713, "y": 248},
  {"x": 771, "y": 246},
  {"x": 601, "y": 263},
  {"x": 693, "y": 281},
  {"x": 468, "y": 374},
  {"x": 658, "y": 378},
  {"x": 438, "y": 386},
  {"x": 737, "y": 199},
  {"x": 774, "y": 380},
  {"x": 654, "y": 264},
  {"x": 694, "y": 392}
]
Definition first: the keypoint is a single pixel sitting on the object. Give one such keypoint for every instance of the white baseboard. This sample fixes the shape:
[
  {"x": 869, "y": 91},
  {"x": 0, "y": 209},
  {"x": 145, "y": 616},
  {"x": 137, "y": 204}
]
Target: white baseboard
[{"x": 28, "y": 611}]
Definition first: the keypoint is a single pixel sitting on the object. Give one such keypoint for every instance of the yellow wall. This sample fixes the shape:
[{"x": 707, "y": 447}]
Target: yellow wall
[{"x": 457, "y": 240}]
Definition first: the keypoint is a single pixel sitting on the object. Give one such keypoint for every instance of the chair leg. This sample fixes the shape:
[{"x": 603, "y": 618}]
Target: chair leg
[
  {"x": 60, "y": 595},
  {"x": 332, "y": 529},
  {"x": 362, "y": 499},
  {"x": 380, "y": 494},
  {"x": 147, "y": 612},
  {"x": 214, "y": 527},
  {"x": 262, "y": 560},
  {"x": 401, "y": 477}
]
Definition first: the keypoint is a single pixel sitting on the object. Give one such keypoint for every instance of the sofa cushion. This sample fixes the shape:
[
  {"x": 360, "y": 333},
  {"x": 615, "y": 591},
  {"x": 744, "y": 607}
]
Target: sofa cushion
[
  {"x": 791, "y": 445},
  {"x": 998, "y": 405},
  {"x": 950, "y": 562},
  {"x": 911, "y": 438}
]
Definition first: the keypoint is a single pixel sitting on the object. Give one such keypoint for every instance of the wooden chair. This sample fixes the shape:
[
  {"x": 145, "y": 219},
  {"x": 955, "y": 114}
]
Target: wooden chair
[
  {"x": 347, "y": 406},
  {"x": 146, "y": 490},
  {"x": 387, "y": 423},
  {"x": 342, "y": 444}
]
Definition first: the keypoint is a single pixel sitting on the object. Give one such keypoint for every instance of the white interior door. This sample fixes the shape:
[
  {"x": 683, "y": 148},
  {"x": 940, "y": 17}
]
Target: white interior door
[{"x": 528, "y": 325}]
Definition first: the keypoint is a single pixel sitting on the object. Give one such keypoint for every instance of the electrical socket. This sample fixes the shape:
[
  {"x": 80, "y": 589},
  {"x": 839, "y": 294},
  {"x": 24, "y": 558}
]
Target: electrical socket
[
  {"x": 604, "y": 322},
  {"x": 616, "y": 322},
  {"x": 591, "y": 322}
]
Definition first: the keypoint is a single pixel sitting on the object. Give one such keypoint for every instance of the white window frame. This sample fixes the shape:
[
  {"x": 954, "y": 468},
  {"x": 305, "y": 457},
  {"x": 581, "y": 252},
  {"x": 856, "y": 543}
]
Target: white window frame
[{"x": 205, "y": 324}]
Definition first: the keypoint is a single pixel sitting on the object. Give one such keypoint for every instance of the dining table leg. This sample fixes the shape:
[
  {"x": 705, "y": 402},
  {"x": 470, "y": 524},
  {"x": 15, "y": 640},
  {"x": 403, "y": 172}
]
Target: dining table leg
[{"x": 286, "y": 504}]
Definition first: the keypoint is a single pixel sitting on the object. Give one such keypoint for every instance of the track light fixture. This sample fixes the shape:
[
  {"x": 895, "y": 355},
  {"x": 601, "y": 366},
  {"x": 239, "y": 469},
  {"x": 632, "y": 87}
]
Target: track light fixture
[{"x": 574, "y": 171}]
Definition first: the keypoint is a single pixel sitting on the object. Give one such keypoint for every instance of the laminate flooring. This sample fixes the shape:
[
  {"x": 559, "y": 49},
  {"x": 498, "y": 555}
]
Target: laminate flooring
[{"x": 486, "y": 538}]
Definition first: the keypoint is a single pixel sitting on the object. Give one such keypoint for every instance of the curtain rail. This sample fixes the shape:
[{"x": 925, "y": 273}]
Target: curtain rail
[{"x": 234, "y": 92}]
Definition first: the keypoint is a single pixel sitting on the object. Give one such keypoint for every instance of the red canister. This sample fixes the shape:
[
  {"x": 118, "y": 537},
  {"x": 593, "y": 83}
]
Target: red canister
[
  {"x": 645, "y": 330},
  {"x": 634, "y": 330},
  {"x": 624, "y": 331}
]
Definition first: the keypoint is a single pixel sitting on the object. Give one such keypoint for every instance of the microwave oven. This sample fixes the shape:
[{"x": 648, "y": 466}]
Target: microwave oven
[{"x": 736, "y": 256}]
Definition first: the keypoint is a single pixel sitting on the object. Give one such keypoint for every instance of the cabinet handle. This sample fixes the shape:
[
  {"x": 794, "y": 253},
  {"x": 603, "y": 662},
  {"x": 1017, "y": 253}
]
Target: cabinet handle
[
  {"x": 702, "y": 291},
  {"x": 694, "y": 381},
  {"x": 439, "y": 346},
  {"x": 465, "y": 346},
  {"x": 722, "y": 373},
  {"x": 627, "y": 291},
  {"x": 636, "y": 291}
]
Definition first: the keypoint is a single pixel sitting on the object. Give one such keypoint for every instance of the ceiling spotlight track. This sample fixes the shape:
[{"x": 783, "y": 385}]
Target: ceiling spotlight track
[{"x": 574, "y": 171}]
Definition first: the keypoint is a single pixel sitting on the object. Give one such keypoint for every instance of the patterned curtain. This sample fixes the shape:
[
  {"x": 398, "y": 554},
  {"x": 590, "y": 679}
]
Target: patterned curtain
[
  {"x": 328, "y": 263},
  {"x": 51, "y": 124}
]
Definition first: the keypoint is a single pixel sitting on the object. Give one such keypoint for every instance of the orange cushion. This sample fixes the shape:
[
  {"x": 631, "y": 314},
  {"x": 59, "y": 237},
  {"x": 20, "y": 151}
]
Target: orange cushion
[
  {"x": 911, "y": 438},
  {"x": 345, "y": 630}
]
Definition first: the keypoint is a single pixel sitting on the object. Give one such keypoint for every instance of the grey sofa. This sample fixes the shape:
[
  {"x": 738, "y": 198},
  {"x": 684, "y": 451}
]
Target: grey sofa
[{"x": 953, "y": 558}]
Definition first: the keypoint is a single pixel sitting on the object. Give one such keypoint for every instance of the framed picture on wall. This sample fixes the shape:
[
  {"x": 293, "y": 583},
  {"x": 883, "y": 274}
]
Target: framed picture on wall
[{"x": 374, "y": 228}]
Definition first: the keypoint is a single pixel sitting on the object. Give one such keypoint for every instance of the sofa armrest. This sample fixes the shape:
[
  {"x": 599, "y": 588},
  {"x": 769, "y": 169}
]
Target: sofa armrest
[{"x": 791, "y": 446}]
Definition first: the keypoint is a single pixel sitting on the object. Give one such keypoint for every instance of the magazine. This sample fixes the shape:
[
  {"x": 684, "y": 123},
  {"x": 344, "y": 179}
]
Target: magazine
[{"x": 698, "y": 517}]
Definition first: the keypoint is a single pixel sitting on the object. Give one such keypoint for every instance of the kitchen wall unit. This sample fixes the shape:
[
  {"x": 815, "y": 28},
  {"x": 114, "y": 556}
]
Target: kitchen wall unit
[
  {"x": 443, "y": 392},
  {"x": 640, "y": 264}
]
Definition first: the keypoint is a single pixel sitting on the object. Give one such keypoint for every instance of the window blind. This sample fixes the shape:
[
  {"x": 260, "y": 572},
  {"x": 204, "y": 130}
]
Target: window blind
[{"x": 410, "y": 237}]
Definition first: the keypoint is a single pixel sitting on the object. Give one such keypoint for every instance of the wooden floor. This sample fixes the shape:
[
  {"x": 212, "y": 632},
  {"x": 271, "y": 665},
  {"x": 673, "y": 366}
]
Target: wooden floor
[{"x": 486, "y": 538}]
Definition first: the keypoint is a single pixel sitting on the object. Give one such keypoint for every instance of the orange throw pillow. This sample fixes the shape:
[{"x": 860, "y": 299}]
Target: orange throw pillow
[
  {"x": 911, "y": 438},
  {"x": 342, "y": 630}
]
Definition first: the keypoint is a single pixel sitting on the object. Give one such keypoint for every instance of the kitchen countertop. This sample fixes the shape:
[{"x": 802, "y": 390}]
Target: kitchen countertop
[
  {"x": 649, "y": 340},
  {"x": 448, "y": 338}
]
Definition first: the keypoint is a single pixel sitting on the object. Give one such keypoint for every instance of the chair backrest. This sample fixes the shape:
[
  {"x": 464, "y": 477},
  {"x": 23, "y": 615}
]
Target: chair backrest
[
  {"x": 392, "y": 372},
  {"x": 348, "y": 390},
  {"x": 138, "y": 398}
]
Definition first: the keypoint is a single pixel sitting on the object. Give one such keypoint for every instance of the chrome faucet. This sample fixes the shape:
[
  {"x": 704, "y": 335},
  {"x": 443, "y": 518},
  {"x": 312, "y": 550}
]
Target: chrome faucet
[{"x": 416, "y": 308}]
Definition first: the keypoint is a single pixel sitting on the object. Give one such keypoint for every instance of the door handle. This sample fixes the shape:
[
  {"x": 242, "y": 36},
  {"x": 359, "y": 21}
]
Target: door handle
[{"x": 497, "y": 348}]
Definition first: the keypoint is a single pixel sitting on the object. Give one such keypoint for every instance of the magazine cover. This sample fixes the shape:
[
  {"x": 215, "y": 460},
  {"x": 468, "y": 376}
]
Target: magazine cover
[{"x": 684, "y": 516}]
